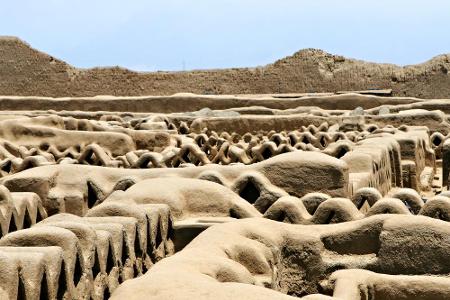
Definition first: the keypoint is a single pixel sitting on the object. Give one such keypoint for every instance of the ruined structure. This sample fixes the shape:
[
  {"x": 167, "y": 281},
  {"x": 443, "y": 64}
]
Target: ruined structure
[
  {"x": 257, "y": 196},
  {"x": 27, "y": 72}
]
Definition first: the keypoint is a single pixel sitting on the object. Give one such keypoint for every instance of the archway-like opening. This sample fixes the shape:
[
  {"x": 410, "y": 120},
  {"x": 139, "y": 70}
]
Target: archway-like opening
[{"x": 250, "y": 192}]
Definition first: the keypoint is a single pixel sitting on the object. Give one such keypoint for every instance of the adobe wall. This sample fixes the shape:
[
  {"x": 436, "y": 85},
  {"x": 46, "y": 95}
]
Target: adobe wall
[{"x": 26, "y": 71}]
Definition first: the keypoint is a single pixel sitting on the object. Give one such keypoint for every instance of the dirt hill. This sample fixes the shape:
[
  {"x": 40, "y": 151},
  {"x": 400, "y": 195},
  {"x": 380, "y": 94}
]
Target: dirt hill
[{"x": 27, "y": 71}]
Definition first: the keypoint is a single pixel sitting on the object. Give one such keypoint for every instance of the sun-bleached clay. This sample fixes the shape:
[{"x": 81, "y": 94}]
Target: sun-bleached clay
[{"x": 259, "y": 194}]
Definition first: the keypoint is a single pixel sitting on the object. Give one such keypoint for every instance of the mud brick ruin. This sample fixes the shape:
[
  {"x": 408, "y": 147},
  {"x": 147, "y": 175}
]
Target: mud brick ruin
[{"x": 316, "y": 177}]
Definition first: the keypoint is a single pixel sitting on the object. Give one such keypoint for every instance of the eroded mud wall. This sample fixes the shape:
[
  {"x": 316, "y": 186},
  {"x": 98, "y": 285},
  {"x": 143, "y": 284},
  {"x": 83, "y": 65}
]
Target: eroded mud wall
[{"x": 26, "y": 71}]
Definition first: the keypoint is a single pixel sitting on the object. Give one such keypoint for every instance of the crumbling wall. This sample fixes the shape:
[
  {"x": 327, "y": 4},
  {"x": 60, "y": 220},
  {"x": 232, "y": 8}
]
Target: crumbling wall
[{"x": 26, "y": 71}]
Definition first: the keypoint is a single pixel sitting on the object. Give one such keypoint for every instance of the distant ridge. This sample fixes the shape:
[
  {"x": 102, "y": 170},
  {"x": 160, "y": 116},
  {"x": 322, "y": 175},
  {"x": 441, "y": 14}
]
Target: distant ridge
[{"x": 26, "y": 71}]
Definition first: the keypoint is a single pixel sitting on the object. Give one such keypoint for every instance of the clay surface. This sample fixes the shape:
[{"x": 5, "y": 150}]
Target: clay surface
[
  {"x": 261, "y": 195},
  {"x": 28, "y": 72}
]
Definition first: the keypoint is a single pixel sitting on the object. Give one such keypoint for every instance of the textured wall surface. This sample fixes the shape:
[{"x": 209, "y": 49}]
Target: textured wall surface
[{"x": 26, "y": 71}]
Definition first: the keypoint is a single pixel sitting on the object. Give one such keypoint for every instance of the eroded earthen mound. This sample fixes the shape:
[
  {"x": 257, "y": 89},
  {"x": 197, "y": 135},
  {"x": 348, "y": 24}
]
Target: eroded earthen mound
[
  {"x": 28, "y": 72},
  {"x": 319, "y": 196}
]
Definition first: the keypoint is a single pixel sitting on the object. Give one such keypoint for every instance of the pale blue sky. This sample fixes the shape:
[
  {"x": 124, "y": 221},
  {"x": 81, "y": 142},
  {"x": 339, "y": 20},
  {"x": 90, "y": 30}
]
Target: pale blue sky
[{"x": 198, "y": 34}]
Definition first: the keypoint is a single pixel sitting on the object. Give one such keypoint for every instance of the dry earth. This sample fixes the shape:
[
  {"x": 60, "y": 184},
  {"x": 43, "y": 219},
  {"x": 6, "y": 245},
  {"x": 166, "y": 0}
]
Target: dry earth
[{"x": 260, "y": 195}]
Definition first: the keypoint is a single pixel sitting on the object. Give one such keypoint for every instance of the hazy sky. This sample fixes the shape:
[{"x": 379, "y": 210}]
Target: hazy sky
[{"x": 198, "y": 34}]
